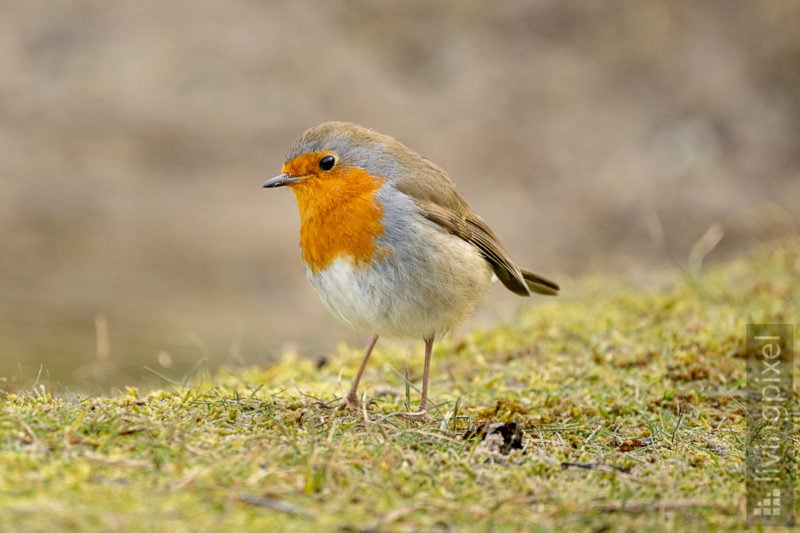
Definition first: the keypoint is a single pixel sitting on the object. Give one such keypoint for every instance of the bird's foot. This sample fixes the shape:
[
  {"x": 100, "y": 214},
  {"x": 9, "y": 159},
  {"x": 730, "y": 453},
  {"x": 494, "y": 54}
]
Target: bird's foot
[
  {"x": 351, "y": 402},
  {"x": 417, "y": 416}
]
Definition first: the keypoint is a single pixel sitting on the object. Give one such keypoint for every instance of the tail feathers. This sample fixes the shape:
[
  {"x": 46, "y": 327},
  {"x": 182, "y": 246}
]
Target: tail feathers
[{"x": 539, "y": 284}]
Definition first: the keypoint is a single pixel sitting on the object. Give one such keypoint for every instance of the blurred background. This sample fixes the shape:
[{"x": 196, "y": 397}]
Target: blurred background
[{"x": 135, "y": 136}]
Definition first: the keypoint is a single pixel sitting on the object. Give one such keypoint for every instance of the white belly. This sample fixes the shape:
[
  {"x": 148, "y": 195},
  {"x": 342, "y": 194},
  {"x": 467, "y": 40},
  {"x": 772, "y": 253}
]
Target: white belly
[{"x": 409, "y": 293}]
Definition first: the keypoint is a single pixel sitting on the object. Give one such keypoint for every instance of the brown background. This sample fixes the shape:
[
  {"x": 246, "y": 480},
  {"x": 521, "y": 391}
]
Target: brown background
[{"x": 134, "y": 138}]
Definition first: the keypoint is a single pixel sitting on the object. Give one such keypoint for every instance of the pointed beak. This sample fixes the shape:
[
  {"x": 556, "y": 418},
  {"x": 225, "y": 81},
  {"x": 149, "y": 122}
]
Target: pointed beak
[{"x": 281, "y": 181}]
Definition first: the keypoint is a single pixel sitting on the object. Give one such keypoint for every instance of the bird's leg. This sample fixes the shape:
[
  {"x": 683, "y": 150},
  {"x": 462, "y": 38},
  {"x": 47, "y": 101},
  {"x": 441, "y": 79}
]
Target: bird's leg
[
  {"x": 351, "y": 400},
  {"x": 423, "y": 402}
]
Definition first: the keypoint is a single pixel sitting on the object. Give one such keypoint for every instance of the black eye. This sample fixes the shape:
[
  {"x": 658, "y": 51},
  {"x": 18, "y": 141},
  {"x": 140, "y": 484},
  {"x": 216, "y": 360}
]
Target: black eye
[{"x": 327, "y": 162}]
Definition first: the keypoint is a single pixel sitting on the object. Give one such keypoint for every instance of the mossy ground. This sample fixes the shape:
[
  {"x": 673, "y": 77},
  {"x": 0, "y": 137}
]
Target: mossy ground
[{"x": 647, "y": 384}]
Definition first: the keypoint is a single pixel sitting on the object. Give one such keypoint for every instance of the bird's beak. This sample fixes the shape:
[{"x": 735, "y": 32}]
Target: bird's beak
[{"x": 282, "y": 180}]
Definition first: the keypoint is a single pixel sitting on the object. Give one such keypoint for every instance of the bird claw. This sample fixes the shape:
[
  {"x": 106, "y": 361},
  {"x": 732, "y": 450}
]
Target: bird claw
[
  {"x": 350, "y": 402},
  {"x": 417, "y": 416}
]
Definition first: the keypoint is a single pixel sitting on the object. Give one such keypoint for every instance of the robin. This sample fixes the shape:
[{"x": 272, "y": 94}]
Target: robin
[{"x": 388, "y": 241}]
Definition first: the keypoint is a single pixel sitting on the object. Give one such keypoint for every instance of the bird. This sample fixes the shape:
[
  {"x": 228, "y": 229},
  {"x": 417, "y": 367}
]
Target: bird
[{"x": 388, "y": 241}]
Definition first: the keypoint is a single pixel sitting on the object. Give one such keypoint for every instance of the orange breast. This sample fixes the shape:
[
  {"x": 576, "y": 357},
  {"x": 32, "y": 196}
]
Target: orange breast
[{"x": 339, "y": 217}]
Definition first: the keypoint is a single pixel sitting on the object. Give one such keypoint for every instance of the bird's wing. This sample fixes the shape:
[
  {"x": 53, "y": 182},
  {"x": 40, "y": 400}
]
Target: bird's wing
[
  {"x": 474, "y": 230},
  {"x": 441, "y": 202}
]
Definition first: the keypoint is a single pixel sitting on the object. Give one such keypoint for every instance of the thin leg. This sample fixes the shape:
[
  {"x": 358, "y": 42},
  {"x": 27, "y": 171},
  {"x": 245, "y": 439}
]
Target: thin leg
[
  {"x": 351, "y": 400},
  {"x": 423, "y": 402}
]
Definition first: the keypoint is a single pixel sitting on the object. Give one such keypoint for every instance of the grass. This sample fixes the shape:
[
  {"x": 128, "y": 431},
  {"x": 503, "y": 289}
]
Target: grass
[{"x": 629, "y": 403}]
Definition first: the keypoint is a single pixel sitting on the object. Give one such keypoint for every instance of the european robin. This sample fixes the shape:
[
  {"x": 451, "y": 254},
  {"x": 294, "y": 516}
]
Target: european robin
[{"x": 388, "y": 241}]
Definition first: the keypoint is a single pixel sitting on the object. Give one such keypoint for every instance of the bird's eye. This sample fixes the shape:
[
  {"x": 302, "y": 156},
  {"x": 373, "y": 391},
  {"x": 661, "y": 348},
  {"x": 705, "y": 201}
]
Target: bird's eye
[{"x": 327, "y": 162}]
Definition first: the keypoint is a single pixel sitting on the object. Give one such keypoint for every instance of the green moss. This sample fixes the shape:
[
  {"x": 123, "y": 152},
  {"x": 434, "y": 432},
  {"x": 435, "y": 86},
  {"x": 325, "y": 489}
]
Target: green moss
[{"x": 645, "y": 383}]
